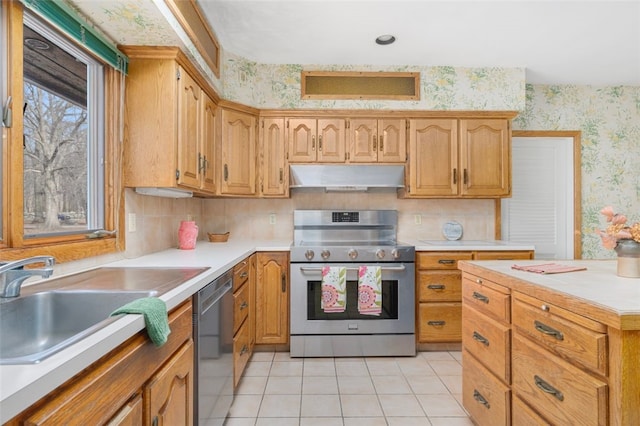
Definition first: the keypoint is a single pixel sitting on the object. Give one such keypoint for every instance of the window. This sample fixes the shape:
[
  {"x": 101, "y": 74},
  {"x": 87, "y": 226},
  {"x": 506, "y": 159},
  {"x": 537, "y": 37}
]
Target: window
[
  {"x": 61, "y": 150},
  {"x": 63, "y": 136}
]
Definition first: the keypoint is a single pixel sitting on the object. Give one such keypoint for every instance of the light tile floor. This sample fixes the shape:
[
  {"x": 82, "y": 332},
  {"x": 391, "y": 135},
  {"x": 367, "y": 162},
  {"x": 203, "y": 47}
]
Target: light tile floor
[{"x": 279, "y": 390}]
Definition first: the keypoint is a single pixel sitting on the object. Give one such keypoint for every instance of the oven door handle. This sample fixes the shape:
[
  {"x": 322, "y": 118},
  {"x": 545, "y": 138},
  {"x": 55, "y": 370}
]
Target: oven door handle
[{"x": 316, "y": 269}]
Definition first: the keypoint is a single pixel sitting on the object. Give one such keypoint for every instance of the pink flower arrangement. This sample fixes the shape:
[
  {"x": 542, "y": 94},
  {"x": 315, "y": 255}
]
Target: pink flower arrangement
[{"x": 618, "y": 229}]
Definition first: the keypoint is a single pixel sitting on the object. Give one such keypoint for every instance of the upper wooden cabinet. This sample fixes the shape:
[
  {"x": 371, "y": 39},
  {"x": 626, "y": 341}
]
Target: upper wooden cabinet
[
  {"x": 169, "y": 123},
  {"x": 459, "y": 158},
  {"x": 377, "y": 140},
  {"x": 274, "y": 168},
  {"x": 237, "y": 153},
  {"x": 316, "y": 140}
]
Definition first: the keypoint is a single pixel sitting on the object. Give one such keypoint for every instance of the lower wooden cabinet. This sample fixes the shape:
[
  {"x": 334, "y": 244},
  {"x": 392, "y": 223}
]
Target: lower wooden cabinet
[
  {"x": 243, "y": 315},
  {"x": 486, "y": 398},
  {"x": 131, "y": 385},
  {"x": 272, "y": 298},
  {"x": 168, "y": 397}
]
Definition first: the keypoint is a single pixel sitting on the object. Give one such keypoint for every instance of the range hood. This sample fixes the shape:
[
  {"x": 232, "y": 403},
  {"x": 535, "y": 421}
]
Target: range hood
[{"x": 346, "y": 177}]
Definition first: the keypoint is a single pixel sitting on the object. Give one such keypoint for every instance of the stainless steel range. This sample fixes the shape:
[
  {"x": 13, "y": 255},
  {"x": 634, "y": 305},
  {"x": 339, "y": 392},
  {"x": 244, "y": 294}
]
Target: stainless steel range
[{"x": 352, "y": 285}]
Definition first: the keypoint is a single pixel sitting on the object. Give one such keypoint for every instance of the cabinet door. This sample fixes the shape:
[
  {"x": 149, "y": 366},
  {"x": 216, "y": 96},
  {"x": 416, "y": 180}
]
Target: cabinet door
[
  {"x": 252, "y": 301},
  {"x": 130, "y": 414},
  {"x": 433, "y": 157},
  {"x": 485, "y": 157},
  {"x": 331, "y": 140},
  {"x": 238, "y": 151},
  {"x": 189, "y": 99},
  {"x": 392, "y": 140},
  {"x": 207, "y": 160},
  {"x": 169, "y": 394},
  {"x": 301, "y": 135},
  {"x": 274, "y": 173},
  {"x": 363, "y": 140},
  {"x": 272, "y": 298}
]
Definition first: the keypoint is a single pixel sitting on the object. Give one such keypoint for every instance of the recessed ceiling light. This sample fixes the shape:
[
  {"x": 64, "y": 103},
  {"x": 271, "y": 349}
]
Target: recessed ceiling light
[
  {"x": 385, "y": 39},
  {"x": 35, "y": 43}
]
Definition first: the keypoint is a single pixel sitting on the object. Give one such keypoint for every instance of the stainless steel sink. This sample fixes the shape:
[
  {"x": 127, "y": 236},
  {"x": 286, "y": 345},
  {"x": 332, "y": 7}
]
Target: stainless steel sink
[{"x": 36, "y": 326}]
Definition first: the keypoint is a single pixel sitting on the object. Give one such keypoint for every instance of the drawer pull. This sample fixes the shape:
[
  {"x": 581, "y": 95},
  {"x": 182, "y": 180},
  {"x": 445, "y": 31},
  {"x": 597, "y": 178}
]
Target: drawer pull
[
  {"x": 547, "y": 388},
  {"x": 481, "y": 297},
  {"x": 446, "y": 261},
  {"x": 480, "y": 338},
  {"x": 478, "y": 281},
  {"x": 436, "y": 286},
  {"x": 245, "y": 274},
  {"x": 478, "y": 397},
  {"x": 545, "y": 329},
  {"x": 243, "y": 305},
  {"x": 244, "y": 350},
  {"x": 436, "y": 323}
]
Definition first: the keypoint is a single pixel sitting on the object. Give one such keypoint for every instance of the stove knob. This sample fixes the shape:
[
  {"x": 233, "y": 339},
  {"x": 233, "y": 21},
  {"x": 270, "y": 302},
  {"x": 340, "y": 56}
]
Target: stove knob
[
  {"x": 395, "y": 253},
  {"x": 353, "y": 254},
  {"x": 309, "y": 254},
  {"x": 380, "y": 254},
  {"x": 325, "y": 254}
]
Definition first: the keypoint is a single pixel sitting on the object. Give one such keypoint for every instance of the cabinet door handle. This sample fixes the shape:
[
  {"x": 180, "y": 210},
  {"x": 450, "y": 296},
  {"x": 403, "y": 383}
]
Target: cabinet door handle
[
  {"x": 313, "y": 143},
  {"x": 320, "y": 143},
  {"x": 283, "y": 278},
  {"x": 436, "y": 323},
  {"x": 480, "y": 338},
  {"x": 436, "y": 286},
  {"x": 154, "y": 422},
  {"x": 381, "y": 145},
  {"x": 549, "y": 331},
  {"x": 200, "y": 163},
  {"x": 245, "y": 274},
  {"x": 481, "y": 297},
  {"x": 455, "y": 176},
  {"x": 281, "y": 175},
  {"x": 244, "y": 350},
  {"x": 244, "y": 305},
  {"x": 465, "y": 177},
  {"x": 375, "y": 143},
  {"x": 481, "y": 399},
  {"x": 547, "y": 388},
  {"x": 446, "y": 261},
  {"x": 226, "y": 173}
]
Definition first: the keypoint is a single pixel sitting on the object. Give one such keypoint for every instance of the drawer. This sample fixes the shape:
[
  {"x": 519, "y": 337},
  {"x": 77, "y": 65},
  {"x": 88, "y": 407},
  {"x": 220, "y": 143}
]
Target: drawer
[
  {"x": 503, "y": 255},
  {"x": 439, "y": 286},
  {"x": 489, "y": 341},
  {"x": 564, "y": 393},
  {"x": 240, "y": 307},
  {"x": 487, "y": 297},
  {"x": 241, "y": 352},
  {"x": 553, "y": 327},
  {"x": 441, "y": 260},
  {"x": 523, "y": 415},
  {"x": 486, "y": 399},
  {"x": 240, "y": 274},
  {"x": 440, "y": 322}
]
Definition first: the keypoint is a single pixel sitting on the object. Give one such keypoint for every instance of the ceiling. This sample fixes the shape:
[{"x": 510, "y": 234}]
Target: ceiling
[{"x": 557, "y": 42}]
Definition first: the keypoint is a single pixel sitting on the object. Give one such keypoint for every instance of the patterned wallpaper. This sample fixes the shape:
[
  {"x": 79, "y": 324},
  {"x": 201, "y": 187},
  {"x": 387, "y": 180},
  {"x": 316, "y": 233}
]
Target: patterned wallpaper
[
  {"x": 609, "y": 119},
  {"x": 442, "y": 88}
]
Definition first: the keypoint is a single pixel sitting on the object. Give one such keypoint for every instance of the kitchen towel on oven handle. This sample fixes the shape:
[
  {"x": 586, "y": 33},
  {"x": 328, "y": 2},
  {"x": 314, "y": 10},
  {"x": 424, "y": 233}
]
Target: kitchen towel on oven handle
[
  {"x": 370, "y": 290},
  {"x": 334, "y": 289}
]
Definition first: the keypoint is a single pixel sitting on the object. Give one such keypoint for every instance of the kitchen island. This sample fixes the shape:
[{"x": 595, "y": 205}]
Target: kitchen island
[{"x": 557, "y": 348}]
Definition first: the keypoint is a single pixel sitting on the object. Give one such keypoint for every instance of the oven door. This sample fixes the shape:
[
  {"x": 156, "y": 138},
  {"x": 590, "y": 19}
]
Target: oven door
[{"x": 398, "y": 302}]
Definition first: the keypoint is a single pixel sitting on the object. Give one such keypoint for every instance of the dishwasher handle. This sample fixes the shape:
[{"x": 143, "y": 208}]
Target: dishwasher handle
[{"x": 215, "y": 296}]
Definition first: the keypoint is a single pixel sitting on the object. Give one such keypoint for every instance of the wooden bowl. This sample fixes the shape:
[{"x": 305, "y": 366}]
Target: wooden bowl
[{"x": 218, "y": 238}]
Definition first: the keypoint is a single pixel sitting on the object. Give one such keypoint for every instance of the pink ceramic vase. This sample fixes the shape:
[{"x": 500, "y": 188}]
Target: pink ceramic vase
[{"x": 187, "y": 235}]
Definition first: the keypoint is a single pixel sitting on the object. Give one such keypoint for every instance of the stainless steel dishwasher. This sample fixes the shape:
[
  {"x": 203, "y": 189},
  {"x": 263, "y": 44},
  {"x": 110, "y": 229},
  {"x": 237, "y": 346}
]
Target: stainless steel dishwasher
[{"x": 213, "y": 366}]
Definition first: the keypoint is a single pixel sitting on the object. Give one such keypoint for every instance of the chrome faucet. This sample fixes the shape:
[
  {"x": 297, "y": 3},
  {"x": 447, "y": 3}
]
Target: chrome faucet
[{"x": 12, "y": 274}]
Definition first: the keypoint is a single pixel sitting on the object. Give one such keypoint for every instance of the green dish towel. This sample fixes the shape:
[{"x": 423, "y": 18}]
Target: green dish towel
[{"x": 155, "y": 317}]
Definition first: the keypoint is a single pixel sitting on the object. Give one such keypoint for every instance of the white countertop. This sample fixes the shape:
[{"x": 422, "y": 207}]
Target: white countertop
[
  {"x": 468, "y": 245},
  {"x": 22, "y": 385},
  {"x": 596, "y": 287}
]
